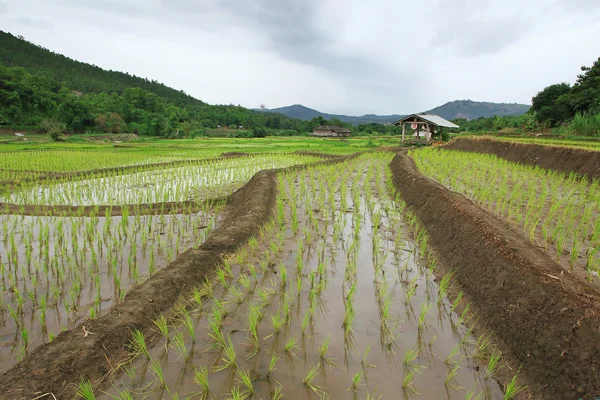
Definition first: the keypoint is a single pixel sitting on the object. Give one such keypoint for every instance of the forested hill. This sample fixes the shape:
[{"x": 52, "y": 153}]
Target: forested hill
[
  {"x": 43, "y": 90},
  {"x": 80, "y": 76},
  {"x": 469, "y": 109}
]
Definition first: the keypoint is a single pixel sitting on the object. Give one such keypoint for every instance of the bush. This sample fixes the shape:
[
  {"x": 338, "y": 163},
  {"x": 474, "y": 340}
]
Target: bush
[
  {"x": 48, "y": 125},
  {"x": 585, "y": 125},
  {"x": 56, "y": 135},
  {"x": 196, "y": 132},
  {"x": 259, "y": 132}
]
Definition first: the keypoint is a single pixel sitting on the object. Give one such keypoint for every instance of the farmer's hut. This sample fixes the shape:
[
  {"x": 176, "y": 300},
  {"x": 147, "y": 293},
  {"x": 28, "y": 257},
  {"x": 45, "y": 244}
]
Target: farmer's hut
[
  {"x": 330, "y": 131},
  {"x": 428, "y": 124}
]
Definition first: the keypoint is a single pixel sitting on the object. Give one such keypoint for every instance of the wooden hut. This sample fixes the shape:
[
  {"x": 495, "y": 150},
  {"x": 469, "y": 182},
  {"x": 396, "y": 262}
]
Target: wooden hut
[
  {"x": 330, "y": 131},
  {"x": 428, "y": 124}
]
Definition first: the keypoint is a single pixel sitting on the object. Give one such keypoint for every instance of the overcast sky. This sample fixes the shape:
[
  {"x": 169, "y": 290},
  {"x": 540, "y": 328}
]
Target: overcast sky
[{"x": 338, "y": 56}]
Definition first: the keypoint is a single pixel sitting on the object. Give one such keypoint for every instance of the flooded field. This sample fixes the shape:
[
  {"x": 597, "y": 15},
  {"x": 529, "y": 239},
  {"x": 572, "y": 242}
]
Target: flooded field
[{"x": 336, "y": 298}]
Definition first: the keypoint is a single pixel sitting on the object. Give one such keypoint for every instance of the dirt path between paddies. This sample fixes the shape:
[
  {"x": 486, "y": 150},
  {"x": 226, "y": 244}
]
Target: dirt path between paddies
[
  {"x": 74, "y": 354},
  {"x": 563, "y": 159},
  {"x": 172, "y": 207},
  {"x": 545, "y": 321}
]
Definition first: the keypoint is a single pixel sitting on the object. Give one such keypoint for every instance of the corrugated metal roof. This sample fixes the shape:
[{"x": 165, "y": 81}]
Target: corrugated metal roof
[{"x": 434, "y": 119}]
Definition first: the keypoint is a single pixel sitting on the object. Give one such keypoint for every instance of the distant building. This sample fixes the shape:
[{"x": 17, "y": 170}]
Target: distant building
[{"x": 330, "y": 131}]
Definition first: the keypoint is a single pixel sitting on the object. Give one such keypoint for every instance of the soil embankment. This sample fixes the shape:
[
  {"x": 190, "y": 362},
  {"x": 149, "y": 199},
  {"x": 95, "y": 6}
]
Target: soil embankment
[
  {"x": 173, "y": 207},
  {"x": 74, "y": 355},
  {"x": 546, "y": 321},
  {"x": 563, "y": 159}
]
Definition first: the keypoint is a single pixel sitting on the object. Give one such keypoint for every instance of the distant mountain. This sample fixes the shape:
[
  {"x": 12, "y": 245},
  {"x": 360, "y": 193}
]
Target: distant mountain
[
  {"x": 470, "y": 109},
  {"x": 301, "y": 112},
  {"x": 455, "y": 109}
]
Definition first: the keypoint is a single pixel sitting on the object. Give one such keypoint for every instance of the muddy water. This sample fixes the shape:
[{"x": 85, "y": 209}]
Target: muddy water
[
  {"x": 57, "y": 271},
  {"x": 345, "y": 247}
]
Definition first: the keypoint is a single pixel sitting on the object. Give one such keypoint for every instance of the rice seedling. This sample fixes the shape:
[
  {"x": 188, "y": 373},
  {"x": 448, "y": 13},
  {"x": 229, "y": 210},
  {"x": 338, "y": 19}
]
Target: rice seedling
[
  {"x": 236, "y": 394},
  {"x": 179, "y": 345},
  {"x": 364, "y": 363},
  {"x": 423, "y": 322},
  {"x": 201, "y": 379},
  {"x": 457, "y": 300},
  {"x": 408, "y": 384},
  {"x": 244, "y": 378},
  {"x": 84, "y": 390},
  {"x": 493, "y": 363},
  {"x": 277, "y": 394},
  {"x": 139, "y": 344},
  {"x": 471, "y": 395},
  {"x": 357, "y": 381},
  {"x": 272, "y": 364},
  {"x": 157, "y": 371},
  {"x": 451, "y": 359},
  {"x": 324, "y": 349},
  {"x": 512, "y": 388},
  {"x": 310, "y": 377},
  {"x": 290, "y": 345},
  {"x": 229, "y": 357},
  {"x": 411, "y": 354},
  {"x": 483, "y": 348},
  {"x": 123, "y": 395},
  {"x": 451, "y": 376},
  {"x": 277, "y": 322}
]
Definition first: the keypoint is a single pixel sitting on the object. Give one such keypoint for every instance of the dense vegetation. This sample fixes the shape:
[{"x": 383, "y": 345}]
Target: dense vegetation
[
  {"x": 44, "y": 90},
  {"x": 578, "y": 105},
  {"x": 571, "y": 110}
]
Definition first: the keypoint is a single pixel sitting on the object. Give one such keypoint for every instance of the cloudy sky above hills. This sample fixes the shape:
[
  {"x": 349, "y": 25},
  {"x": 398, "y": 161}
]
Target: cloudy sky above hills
[{"x": 350, "y": 56}]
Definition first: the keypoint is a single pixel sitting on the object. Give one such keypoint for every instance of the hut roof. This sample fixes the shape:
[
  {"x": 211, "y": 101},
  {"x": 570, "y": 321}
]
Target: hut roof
[{"x": 431, "y": 118}]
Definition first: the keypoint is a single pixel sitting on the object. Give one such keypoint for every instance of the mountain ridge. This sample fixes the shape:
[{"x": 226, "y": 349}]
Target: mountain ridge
[{"x": 467, "y": 109}]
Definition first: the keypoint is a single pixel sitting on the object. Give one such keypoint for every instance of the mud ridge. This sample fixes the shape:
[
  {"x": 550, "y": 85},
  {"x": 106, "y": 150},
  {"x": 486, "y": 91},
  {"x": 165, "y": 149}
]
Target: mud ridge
[
  {"x": 562, "y": 159},
  {"x": 72, "y": 355},
  {"x": 544, "y": 320},
  {"x": 176, "y": 207}
]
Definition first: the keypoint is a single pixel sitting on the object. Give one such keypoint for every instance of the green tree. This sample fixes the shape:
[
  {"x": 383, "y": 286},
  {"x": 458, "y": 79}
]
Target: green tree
[
  {"x": 259, "y": 132},
  {"x": 584, "y": 97},
  {"x": 548, "y": 108}
]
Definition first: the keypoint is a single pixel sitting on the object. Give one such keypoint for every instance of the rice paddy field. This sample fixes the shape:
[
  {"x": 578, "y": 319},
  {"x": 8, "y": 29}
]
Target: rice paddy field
[
  {"x": 556, "y": 211},
  {"x": 340, "y": 293}
]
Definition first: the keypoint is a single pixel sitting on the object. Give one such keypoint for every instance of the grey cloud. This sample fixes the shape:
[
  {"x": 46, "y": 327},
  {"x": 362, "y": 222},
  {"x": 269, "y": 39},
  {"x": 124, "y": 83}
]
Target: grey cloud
[
  {"x": 33, "y": 22},
  {"x": 480, "y": 37},
  {"x": 124, "y": 8},
  {"x": 3, "y": 7},
  {"x": 472, "y": 28}
]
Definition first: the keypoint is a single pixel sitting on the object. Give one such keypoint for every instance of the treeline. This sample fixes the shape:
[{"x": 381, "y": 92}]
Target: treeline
[
  {"x": 41, "y": 89},
  {"x": 36, "y": 100},
  {"x": 561, "y": 107},
  {"x": 561, "y": 102},
  {"x": 525, "y": 122}
]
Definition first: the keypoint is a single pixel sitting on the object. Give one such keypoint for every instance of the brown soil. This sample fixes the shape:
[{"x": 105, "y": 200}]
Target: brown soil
[
  {"x": 176, "y": 207},
  {"x": 545, "y": 321},
  {"x": 111, "y": 137},
  {"x": 563, "y": 159},
  {"x": 316, "y": 154},
  {"x": 235, "y": 154},
  {"x": 72, "y": 356}
]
